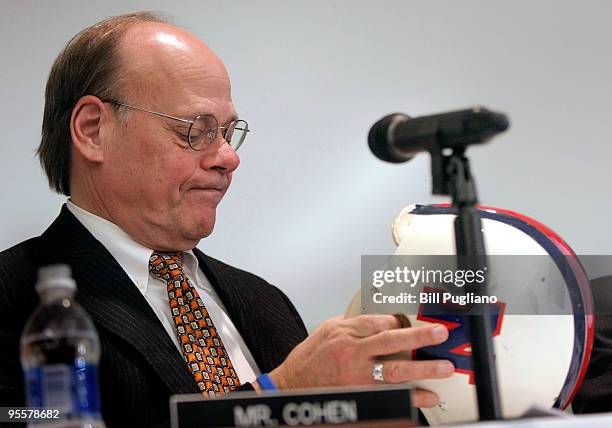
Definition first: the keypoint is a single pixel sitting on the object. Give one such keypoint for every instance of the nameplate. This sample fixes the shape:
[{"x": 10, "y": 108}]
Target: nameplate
[{"x": 312, "y": 407}]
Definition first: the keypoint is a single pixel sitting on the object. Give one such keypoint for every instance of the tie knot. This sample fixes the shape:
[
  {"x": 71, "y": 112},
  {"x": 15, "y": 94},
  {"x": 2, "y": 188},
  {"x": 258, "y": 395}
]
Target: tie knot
[{"x": 166, "y": 264}]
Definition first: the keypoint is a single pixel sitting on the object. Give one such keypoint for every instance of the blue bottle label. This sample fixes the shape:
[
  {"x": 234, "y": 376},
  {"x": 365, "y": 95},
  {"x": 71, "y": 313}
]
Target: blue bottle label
[{"x": 71, "y": 389}]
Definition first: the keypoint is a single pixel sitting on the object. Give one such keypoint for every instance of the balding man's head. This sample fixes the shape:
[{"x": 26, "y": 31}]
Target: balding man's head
[
  {"x": 153, "y": 52},
  {"x": 156, "y": 56},
  {"x": 89, "y": 64},
  {"x": 141, "y": 136}
]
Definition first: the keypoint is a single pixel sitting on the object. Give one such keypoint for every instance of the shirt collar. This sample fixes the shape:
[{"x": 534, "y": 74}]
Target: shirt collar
[{"x": 131, "y": 256}]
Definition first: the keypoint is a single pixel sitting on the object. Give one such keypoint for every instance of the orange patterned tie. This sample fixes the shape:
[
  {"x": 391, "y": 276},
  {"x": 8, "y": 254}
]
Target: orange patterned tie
[{"x": 202, "y": 347}]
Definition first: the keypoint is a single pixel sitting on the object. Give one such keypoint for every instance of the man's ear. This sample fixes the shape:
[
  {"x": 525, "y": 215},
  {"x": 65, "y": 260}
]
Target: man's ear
[{"x": 85, "y": 122}]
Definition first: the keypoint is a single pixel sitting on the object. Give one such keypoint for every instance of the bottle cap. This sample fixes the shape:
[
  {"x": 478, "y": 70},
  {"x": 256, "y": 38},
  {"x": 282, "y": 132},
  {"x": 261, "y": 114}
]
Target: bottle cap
[{"x": 55, "y": 276}]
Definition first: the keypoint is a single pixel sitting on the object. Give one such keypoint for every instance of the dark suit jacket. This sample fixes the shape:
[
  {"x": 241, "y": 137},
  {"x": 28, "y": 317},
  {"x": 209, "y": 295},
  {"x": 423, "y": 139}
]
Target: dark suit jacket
[{"x": 140, "y": 366}]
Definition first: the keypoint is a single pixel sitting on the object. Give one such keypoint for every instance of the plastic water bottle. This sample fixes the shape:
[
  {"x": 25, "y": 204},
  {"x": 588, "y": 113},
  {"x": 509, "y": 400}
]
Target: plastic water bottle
[{"x": 60, "y": 352}]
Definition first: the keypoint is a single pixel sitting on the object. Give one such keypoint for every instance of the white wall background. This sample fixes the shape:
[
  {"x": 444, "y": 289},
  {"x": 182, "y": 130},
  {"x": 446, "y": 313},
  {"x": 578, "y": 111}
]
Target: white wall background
[{"x": 311, "y": 77}]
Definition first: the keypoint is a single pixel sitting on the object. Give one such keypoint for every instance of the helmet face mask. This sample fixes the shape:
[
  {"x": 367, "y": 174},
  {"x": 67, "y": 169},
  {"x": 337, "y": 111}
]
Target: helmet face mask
[{"x": 541, "y": 358}]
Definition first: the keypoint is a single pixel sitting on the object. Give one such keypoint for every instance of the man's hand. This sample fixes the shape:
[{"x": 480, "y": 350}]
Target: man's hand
[{"x": 342, "y": 352}]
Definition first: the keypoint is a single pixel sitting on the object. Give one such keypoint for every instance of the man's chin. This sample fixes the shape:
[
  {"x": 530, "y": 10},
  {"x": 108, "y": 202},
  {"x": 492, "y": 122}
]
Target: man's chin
[
  {"x": 201, "y": 230},
  {"x": 190, "y": 232},
  {"x": 189, "y": 240}
]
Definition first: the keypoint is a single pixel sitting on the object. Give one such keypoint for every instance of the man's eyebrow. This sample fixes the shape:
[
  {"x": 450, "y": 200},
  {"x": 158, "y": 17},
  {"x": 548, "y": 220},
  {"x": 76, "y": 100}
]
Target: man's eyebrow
[{"x": 201, "y": 112}]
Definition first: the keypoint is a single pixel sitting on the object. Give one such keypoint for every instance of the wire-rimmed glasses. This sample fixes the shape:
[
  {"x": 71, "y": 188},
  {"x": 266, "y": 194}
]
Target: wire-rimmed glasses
[{"x": 203, "y": 129}]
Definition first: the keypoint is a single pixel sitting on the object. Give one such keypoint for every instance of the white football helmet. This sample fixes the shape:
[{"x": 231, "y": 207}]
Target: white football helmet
[{"x": 541, "y": 359}]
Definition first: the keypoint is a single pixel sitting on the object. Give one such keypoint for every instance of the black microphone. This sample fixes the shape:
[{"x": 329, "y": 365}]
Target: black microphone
[{"x": 397, "y": 138}]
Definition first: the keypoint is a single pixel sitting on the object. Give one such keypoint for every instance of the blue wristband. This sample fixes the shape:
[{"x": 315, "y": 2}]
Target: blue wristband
[{"x": 265, "y": 381}]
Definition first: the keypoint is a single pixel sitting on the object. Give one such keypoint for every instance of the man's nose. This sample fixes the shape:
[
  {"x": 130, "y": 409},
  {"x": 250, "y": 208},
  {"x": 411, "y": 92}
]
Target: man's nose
[{"x": 221, "y": 156}]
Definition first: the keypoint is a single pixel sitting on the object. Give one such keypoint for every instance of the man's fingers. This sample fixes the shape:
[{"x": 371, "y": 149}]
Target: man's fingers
[
  {"x": 369, "y": 325},
  {"x": 398, "y": 371},
  {"x": 422, "y": 398},
  {"x": 405, "y": 339}
]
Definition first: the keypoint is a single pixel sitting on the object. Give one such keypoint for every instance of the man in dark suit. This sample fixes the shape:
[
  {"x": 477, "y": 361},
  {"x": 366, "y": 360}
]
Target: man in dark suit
[{"x": 141, "y": 133}]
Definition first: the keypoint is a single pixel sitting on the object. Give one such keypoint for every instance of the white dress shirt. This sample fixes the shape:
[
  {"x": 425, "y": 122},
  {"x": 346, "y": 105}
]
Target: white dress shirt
[{"x": 134, "y": 259}]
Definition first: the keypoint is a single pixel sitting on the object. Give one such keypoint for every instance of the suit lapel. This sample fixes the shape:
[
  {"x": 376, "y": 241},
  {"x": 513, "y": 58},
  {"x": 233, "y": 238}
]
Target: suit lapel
[
  {"x": 239, "y": 305},
  {"x": 112, "y": 300}
]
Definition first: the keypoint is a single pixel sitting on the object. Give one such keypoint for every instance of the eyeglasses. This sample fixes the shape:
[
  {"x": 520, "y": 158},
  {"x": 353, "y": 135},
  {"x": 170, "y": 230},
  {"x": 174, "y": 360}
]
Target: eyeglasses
[{"x": 203, "y": 129}]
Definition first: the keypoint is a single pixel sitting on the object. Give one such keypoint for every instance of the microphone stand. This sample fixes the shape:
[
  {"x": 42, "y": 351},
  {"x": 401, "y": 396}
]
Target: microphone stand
[{"x": 452, "y": 177}]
